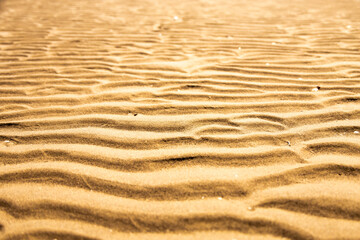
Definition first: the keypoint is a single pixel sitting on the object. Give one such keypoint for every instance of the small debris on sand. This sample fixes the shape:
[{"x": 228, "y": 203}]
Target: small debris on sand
[
  {"x": 315, "y": 89},
  {"x": 251, "y": 208}
]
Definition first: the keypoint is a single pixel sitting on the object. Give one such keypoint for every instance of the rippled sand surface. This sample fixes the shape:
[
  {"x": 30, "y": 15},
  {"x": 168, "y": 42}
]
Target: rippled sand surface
[{"x": 179, "y": 119}]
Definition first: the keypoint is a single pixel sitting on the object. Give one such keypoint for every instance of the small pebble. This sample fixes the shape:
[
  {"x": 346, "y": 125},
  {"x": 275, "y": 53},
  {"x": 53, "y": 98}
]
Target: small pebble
[
  {"x": 273, "y": 43},
  {"x": 348, "y": 26},
  {"x": 300, "y": 78},
  {"x": 315, "y": 89},
  {"x": 176, "y": 18},
  {"x": 267, "y": 64},
  {"x": 236, "y": 176},
  {"x": 202, "y": 197},
  {"x": 220, "y": 198},
  {"x": 356, "y": 132},
  {"x": 8, "y": 143},
  {"x": 135, "y": 114},
  {"x": 251, "y": 208},
  {"x": 288, "y": 143}
]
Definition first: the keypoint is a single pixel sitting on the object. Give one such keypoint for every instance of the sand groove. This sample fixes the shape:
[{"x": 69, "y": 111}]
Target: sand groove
[{"x": 179, "y": 119}]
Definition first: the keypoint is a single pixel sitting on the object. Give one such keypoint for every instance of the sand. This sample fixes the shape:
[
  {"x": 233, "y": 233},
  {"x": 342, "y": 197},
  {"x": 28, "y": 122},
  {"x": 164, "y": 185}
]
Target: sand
[{"x": 179, "y": 119}]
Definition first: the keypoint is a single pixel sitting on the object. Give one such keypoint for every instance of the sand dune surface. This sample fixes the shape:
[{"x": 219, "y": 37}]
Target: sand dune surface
[{"x": 205, "y": 119}]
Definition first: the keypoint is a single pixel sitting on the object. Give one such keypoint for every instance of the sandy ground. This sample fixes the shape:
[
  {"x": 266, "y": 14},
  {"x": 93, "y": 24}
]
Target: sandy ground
[{"x": 179, "y": 119}]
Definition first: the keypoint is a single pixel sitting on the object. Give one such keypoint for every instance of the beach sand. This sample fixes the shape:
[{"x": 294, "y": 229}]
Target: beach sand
[{"x": 205, "y": 119}]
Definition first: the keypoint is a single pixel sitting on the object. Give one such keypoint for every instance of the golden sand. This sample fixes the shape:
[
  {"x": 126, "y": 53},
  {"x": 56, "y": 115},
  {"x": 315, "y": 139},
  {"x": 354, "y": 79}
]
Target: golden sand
[{"x": 205, "y": 119}]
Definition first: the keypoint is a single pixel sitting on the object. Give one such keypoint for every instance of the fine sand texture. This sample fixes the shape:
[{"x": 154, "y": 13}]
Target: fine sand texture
[{"x": 179, "y": 119}]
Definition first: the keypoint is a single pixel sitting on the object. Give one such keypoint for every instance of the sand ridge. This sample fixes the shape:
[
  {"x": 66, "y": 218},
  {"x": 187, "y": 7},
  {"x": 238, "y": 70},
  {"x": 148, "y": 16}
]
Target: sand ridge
[{"x": 178, "y": 119}]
